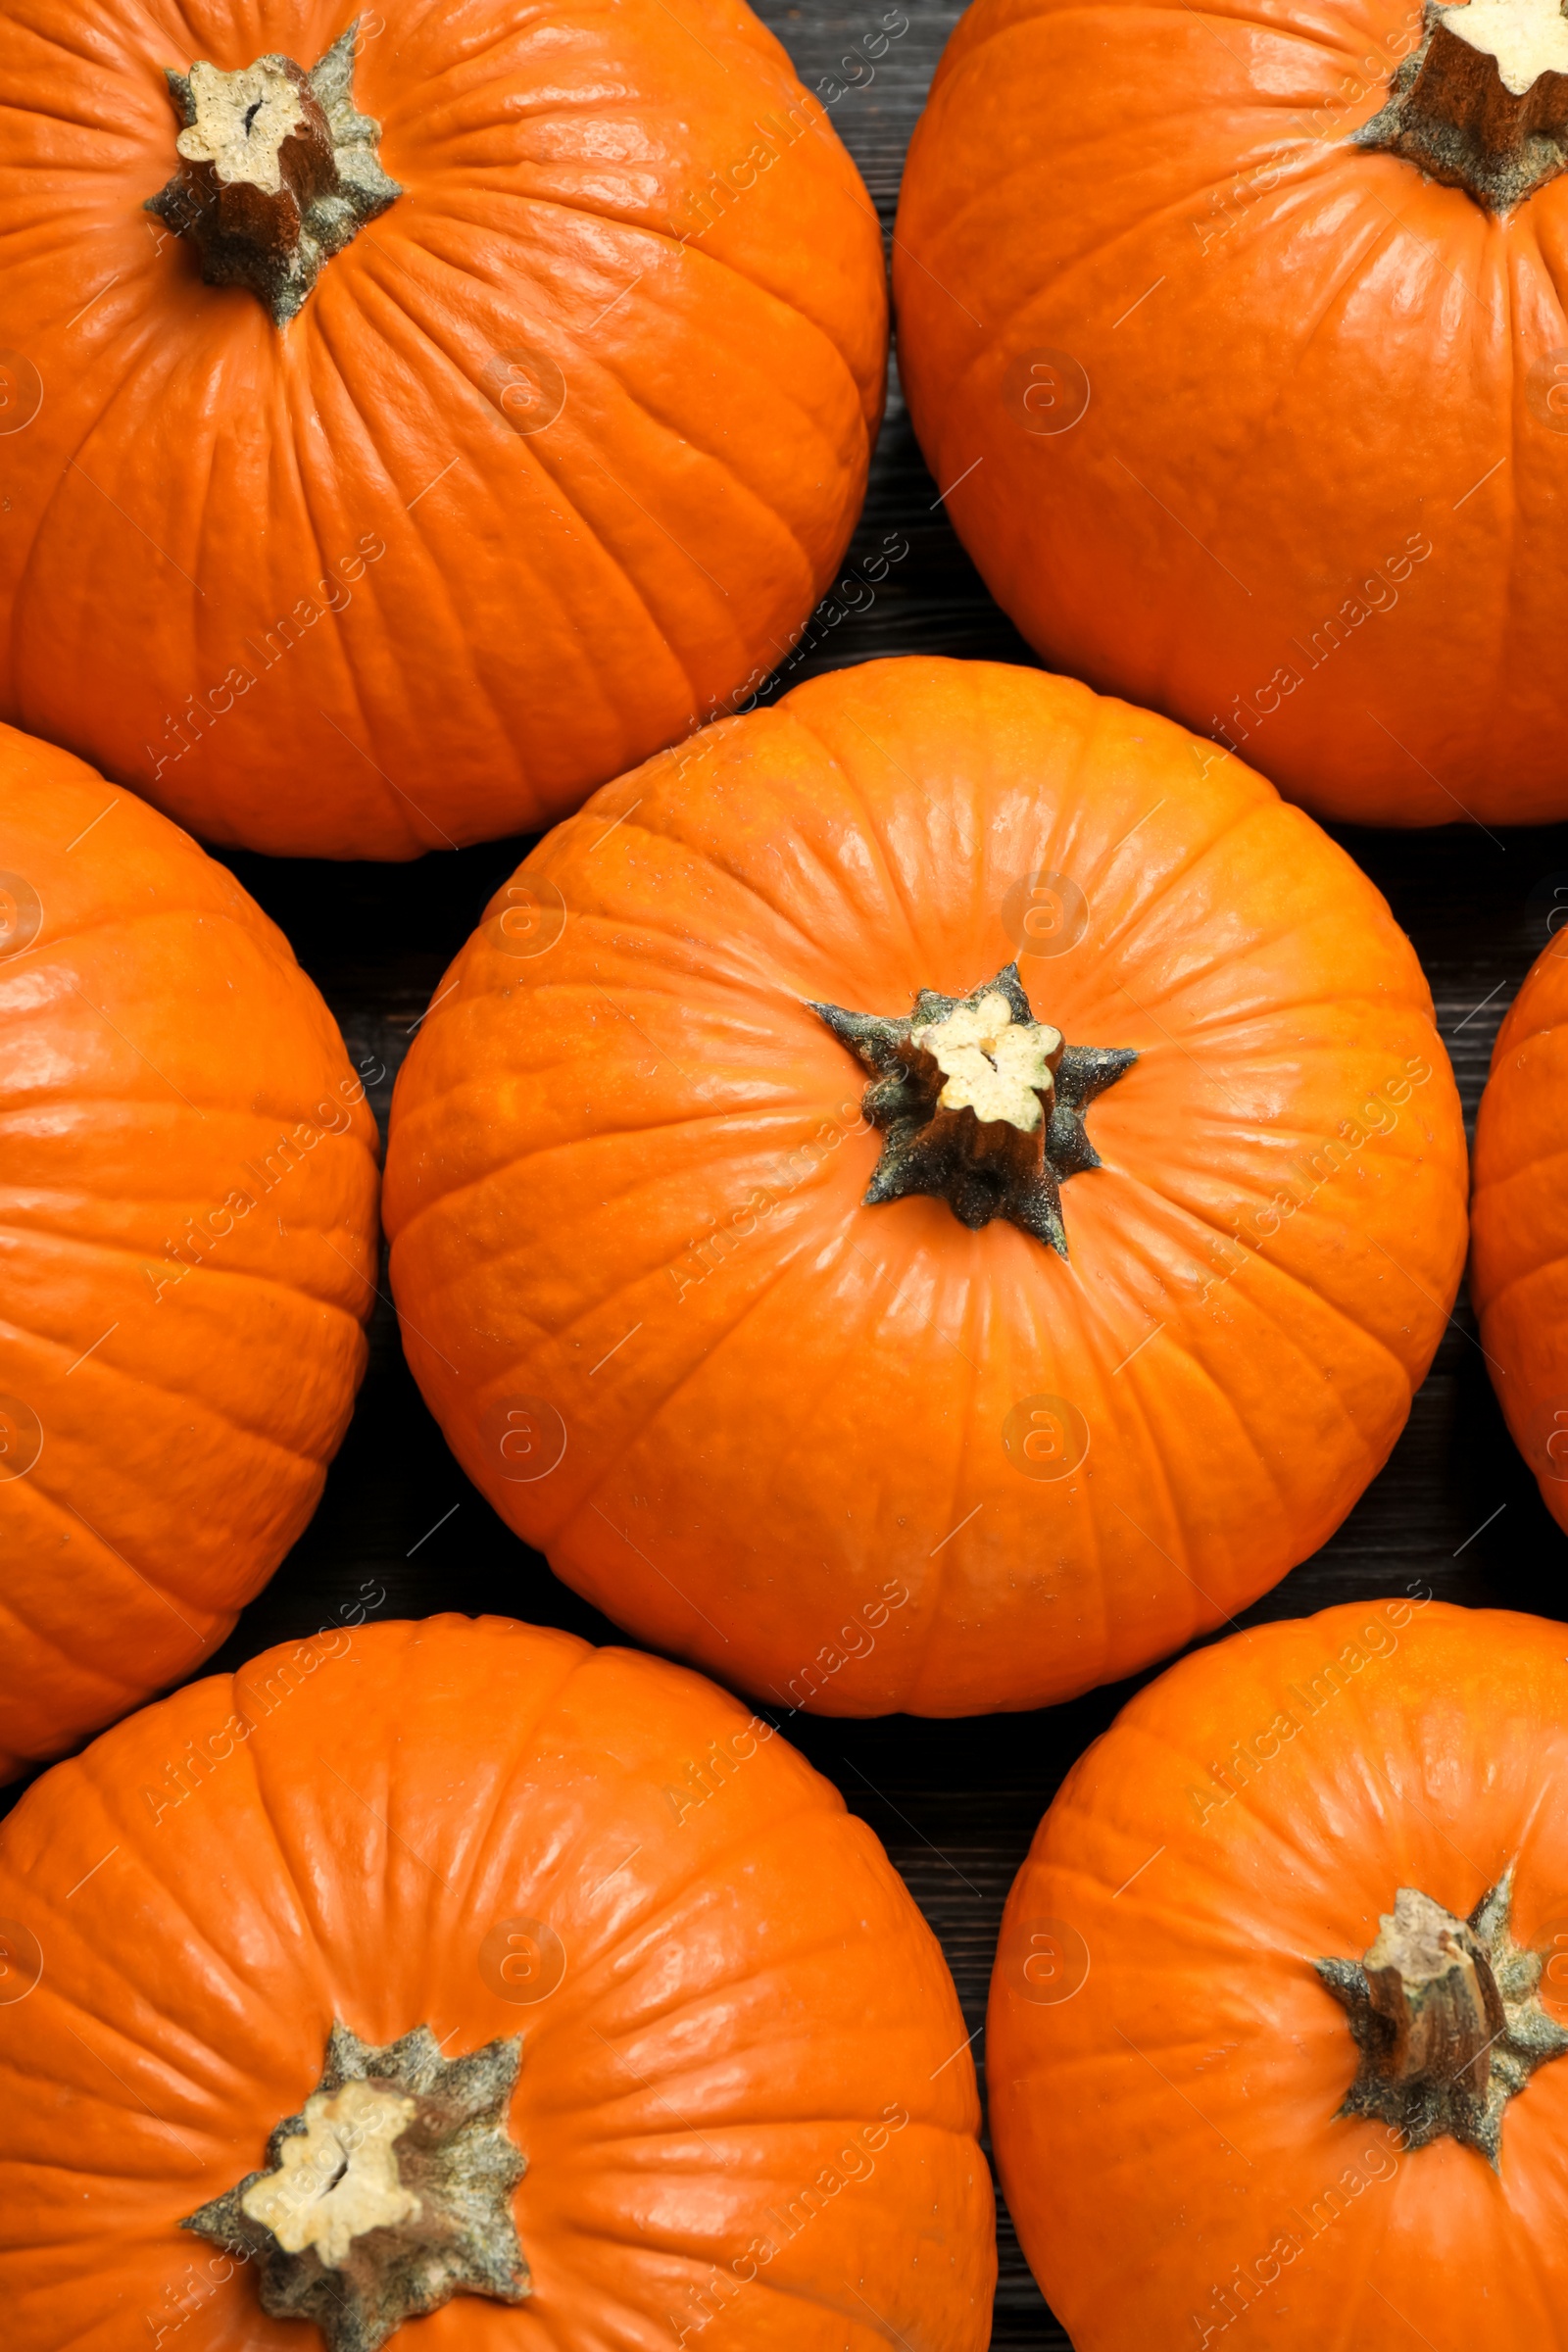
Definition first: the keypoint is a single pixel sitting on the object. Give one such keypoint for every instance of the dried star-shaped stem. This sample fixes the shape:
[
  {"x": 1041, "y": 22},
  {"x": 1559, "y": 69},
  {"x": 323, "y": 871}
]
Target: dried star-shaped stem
[
  {"x": 981, "y": 1104},
  {"x": 279, "y": 171},
  {"x": 1483, "y": 104},
  {"x": 387, "y": 2194},
  {"x": 1447, "y": 2016}
]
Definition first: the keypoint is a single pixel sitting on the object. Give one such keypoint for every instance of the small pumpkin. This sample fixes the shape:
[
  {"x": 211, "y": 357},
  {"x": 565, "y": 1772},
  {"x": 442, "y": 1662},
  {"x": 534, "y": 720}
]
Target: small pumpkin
[
  {"x": 478, "y": 397},
  {"x": 188, "y": 1246},
  {"x": 460, "y": 1972},
  {"x": 1240, "y": 357},
  {"x": 1519, "y": 1245},
  {"x": 930, "y": 1195},
  {"x": 1278, "y": 2037}
]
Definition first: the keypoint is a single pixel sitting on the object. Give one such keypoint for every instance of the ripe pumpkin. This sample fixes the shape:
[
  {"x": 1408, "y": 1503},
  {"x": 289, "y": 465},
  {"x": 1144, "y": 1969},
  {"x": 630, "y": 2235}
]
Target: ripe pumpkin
[
  {"x": 486, "y": 400},
  {"x": 187, "y": 1248},
  {"x": 1239, "y": 350},
  {"x": 1011, "y": 1369},
  {"x": 1519, "y": 1251},
  {"x": 1281, "y": 1997},
  {"x": 569, "y": 1937}
]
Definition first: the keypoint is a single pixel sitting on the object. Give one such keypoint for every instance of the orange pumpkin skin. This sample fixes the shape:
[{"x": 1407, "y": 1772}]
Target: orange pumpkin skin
[
  {"x": 1164, "y": 2081},
  {"x": 746, "y": 2000},
  {"x": 793, "y": 1438},
  {"x": 1519, "y": 1233},
  {"x": 556, "y": 460},
  {"x": 1295, "y": 513},
  {"x": 177, "y": 1368}
]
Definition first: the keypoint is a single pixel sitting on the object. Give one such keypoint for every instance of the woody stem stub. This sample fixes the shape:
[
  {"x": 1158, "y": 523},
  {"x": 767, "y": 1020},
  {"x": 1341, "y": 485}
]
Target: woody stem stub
[
  {"x": 1445, "y": 2015},
  {"x": 1483, "y": 104},
  {"x": 277, "y": 172},
  {"x": 1433, "y": 1987},
  {"x": 979, "y": 1105},
  {"x": 387, "y": 2194}
]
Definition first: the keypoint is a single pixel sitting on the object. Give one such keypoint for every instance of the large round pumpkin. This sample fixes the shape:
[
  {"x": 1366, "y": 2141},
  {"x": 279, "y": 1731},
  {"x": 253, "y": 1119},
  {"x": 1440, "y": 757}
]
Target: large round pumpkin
[
  {"x": 1519, "y": 1259},
  {"x": 488, "y": 400},
  {"x": 188, "y": 1246},
  {"x": 595, "y": 2024},
  {"x": 1278, "y": 2039},
  {"x": 1237, "y": 346},
  {"x": 927, "y": 1199}
]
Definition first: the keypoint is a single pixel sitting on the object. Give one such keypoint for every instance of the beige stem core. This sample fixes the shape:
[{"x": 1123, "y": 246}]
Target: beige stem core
[
  {"x": 277, "y": 172},
  {"x": 339, "y": 2177},
  {"x": 1525, "y": 38},
  {"x": 245, "y": 120},
  {"x": 1446, "y": 2014},
  {"x": 1483, "y": 104},
  {"x": 999, "y": 1068}
]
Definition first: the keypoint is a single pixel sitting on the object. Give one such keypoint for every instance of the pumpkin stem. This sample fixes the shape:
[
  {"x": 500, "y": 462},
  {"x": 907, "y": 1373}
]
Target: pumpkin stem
[
  {"x": 277, "y": 172},
  {"x": 1483, "y": 104},
  {"x": 982, "y": 1105},
  {"x": 388, "y": 2193},
  {"x": 1447, "y": 2016}
]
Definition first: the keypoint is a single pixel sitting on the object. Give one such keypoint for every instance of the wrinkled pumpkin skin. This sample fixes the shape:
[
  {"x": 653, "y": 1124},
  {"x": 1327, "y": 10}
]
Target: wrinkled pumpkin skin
[
  {"x": 1519, "y": 1242},
  {"x": 347, "y": 589},
  {"x": 779, "y": 1431},
  {"x": 1313, "y": 504},
  {"x": 188, "y": 1246},
  {"x": 1163, "y": 2064},
  {"x": 748, "y": 2001}
]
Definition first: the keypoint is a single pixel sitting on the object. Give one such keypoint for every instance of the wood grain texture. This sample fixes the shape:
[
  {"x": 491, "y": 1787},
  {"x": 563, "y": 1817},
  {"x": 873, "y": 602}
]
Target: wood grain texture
[{"x": 955, "y": 1802}]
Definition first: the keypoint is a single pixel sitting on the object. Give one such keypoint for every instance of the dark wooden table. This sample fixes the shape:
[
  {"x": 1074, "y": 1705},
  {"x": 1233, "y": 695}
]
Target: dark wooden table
[{"x": 954, "y": 1804}]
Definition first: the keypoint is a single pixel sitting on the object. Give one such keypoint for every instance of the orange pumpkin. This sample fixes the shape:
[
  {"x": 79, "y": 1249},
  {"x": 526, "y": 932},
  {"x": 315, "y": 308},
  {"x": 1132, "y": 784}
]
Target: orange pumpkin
[
  {"x": 1519, "y": 1256},
  {"x": 486, "y": 401},
  {"x": 1239, "y": 350},
  {"x": 188, "y": 1246},
  {"x": 1279, "y": 2006},
  {"x": 948, "y": 1362},
  {"x": 594, "y": 2018}
]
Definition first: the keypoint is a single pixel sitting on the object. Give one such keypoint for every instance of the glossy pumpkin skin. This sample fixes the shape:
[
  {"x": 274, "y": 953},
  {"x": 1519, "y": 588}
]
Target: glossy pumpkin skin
[
  {"x": 791, "y": 1437},
  {"x": 1519, "y": 1248},
  {"x": 1164, "y": 2081},
  {"x": 745, "y": 1995},
  {"x": 176, "y": 1369},
  {"x": 343, "y": 601},
  {"x": 1312, "y": 506}
]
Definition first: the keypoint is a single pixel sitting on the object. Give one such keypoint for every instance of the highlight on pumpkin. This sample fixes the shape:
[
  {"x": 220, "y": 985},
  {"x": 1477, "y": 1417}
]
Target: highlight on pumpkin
[
  {"x": 1296, "y": 1922},
  {"x": 453, "y": 407},
  {"x": 956, "y": 1199},
  {"x": 746, "y": 2096},
  {"x": 1519, "y": 1258},
  {"x": 188, "y": 1188},
  {"x": 1176, "y": 331}
]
